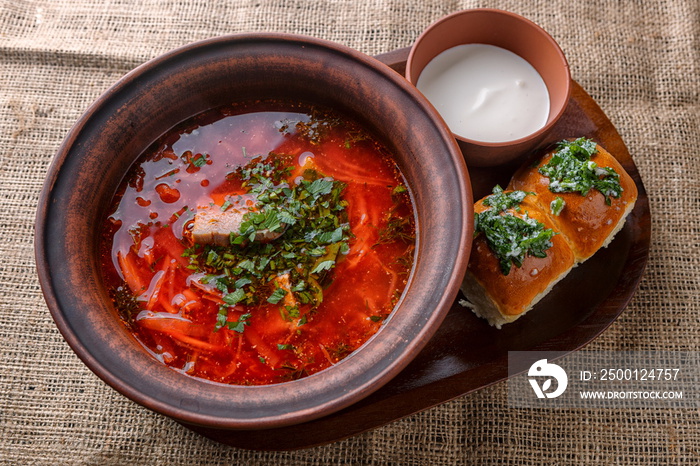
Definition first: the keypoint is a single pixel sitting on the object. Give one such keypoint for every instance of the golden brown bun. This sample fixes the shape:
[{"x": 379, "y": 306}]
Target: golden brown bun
[
  {"x": 585, "y": 225},
  {"x": 587, "y": 222},
  {"x": 503, "y": 298}
]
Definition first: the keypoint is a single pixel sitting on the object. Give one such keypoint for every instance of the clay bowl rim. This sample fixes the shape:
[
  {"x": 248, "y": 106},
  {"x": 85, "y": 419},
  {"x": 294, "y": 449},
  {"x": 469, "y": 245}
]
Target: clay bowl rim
[
  {"x": 552, "y": 118},
  {"x": 64, "y": 304}
]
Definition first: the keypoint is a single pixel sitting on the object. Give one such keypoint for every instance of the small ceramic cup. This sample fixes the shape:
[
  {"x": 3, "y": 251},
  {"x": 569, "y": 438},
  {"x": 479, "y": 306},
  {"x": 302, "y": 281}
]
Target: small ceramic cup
[{"x": 511, "y": 32}]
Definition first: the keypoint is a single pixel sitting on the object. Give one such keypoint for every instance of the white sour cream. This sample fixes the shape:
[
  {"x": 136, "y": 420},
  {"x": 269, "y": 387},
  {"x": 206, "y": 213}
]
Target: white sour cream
[{"x": 486, "y": 93}]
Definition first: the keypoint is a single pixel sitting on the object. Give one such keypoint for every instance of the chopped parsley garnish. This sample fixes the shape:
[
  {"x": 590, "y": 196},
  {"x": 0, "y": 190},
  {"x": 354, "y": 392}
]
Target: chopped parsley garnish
[
  {"x": 396, "y": 228},
  {"x": 277, "y": 296},
  {"x": 199, "y": 161},
  {"x": 312, "y": 220},
  {"x": 126, "y": 303},
  {"x": 557, "y": 205},
  {"x": 511, "y": 238},
  {"x": 501, "y": 201},
  {"x": 235, "y": 297},
  {"x": 225, "y": 205},
  {"x": 571, "y": 170},
  {"x": 318, "y": 126},
  {"x": 237, "y": 326},
  {"x": 399, "y": 227},
  {"x": 194, "y": 161}
]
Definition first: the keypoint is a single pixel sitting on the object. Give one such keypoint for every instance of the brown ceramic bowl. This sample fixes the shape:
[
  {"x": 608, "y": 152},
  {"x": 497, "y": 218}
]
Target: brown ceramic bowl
[
  {"x": 124, "y": 121},
  {"x": 511, "y": 32}
]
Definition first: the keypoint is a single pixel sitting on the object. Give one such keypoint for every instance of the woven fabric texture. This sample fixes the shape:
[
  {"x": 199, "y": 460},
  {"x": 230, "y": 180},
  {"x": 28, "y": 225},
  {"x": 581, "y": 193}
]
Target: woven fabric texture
[{"x": 639, "y": 60}]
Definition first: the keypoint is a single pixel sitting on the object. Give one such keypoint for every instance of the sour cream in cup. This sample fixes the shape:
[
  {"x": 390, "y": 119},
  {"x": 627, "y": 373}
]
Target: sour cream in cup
[
  {"x": 500, "y": 82},
  {"x": 486, "y": 93}
]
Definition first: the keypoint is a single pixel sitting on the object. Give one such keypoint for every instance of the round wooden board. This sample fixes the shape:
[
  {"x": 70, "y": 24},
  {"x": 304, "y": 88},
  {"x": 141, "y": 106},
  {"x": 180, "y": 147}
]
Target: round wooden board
[{"x": 466, "y": 354}]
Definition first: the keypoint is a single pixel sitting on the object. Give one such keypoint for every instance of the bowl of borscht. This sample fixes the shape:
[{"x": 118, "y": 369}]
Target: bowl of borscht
[{"x": 254, "y": 231}]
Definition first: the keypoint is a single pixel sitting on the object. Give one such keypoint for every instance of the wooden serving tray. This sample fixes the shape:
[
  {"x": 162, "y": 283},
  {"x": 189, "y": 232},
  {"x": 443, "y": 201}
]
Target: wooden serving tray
[{"x": 466, "y": 354}]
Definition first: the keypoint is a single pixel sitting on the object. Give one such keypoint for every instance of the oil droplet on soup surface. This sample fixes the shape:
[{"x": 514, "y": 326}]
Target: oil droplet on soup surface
[{"x": 167, "y": 194}]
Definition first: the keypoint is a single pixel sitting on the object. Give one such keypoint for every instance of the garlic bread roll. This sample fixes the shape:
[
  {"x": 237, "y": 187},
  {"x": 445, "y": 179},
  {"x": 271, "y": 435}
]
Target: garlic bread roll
[
  {"x": 580, "y": 192},
  {"x": 500, "y": 298},
  {"x": 587, "y": 222}
]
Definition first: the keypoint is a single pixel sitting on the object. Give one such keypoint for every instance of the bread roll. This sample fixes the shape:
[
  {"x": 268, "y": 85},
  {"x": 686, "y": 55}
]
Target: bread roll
[
  {"x": 500, "y": 298},
  {"x": 585, "y": 224}
]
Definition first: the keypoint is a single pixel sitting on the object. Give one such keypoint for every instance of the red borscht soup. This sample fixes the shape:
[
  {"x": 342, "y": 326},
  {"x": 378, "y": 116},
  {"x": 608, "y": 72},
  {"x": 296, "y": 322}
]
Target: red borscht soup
[{"x": 259, "y": 243}]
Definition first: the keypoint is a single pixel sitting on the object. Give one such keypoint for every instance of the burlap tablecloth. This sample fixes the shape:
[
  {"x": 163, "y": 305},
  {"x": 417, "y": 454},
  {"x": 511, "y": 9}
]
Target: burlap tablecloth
[{"x": 639, "y": 60}]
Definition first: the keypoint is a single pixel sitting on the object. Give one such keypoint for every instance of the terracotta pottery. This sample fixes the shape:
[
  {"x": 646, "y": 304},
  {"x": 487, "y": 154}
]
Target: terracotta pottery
[
  {"x": 511, "y": 32},
  {"x": 124, "y": 121}
]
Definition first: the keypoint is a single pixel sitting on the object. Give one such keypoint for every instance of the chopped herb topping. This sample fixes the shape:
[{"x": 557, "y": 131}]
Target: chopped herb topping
[
  {"x": 319, "y": 125},
  {"x": 226, "y": 205},
  {"x": 571, "y": 170},
  {"x": 237, "y": 326},
  {"x": 511, "y": 238},
  {"x": 399, "y": 189},
  {"x": 277, "y": 296},
  {"x": 557, "y": 205},
  {"x": 125, "y": 303},
  {"x": 398, "y": 226},
  {"x": 315, "y": 128},
  {"x": 313, "y": 220},
  {"x": 194, "y": 161},
  {"x": 501, "y": 201}
]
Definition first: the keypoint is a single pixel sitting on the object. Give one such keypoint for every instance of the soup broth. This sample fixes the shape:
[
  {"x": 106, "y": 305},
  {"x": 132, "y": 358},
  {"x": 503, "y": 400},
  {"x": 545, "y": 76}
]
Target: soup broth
[{"x": 259, "y": 243}]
